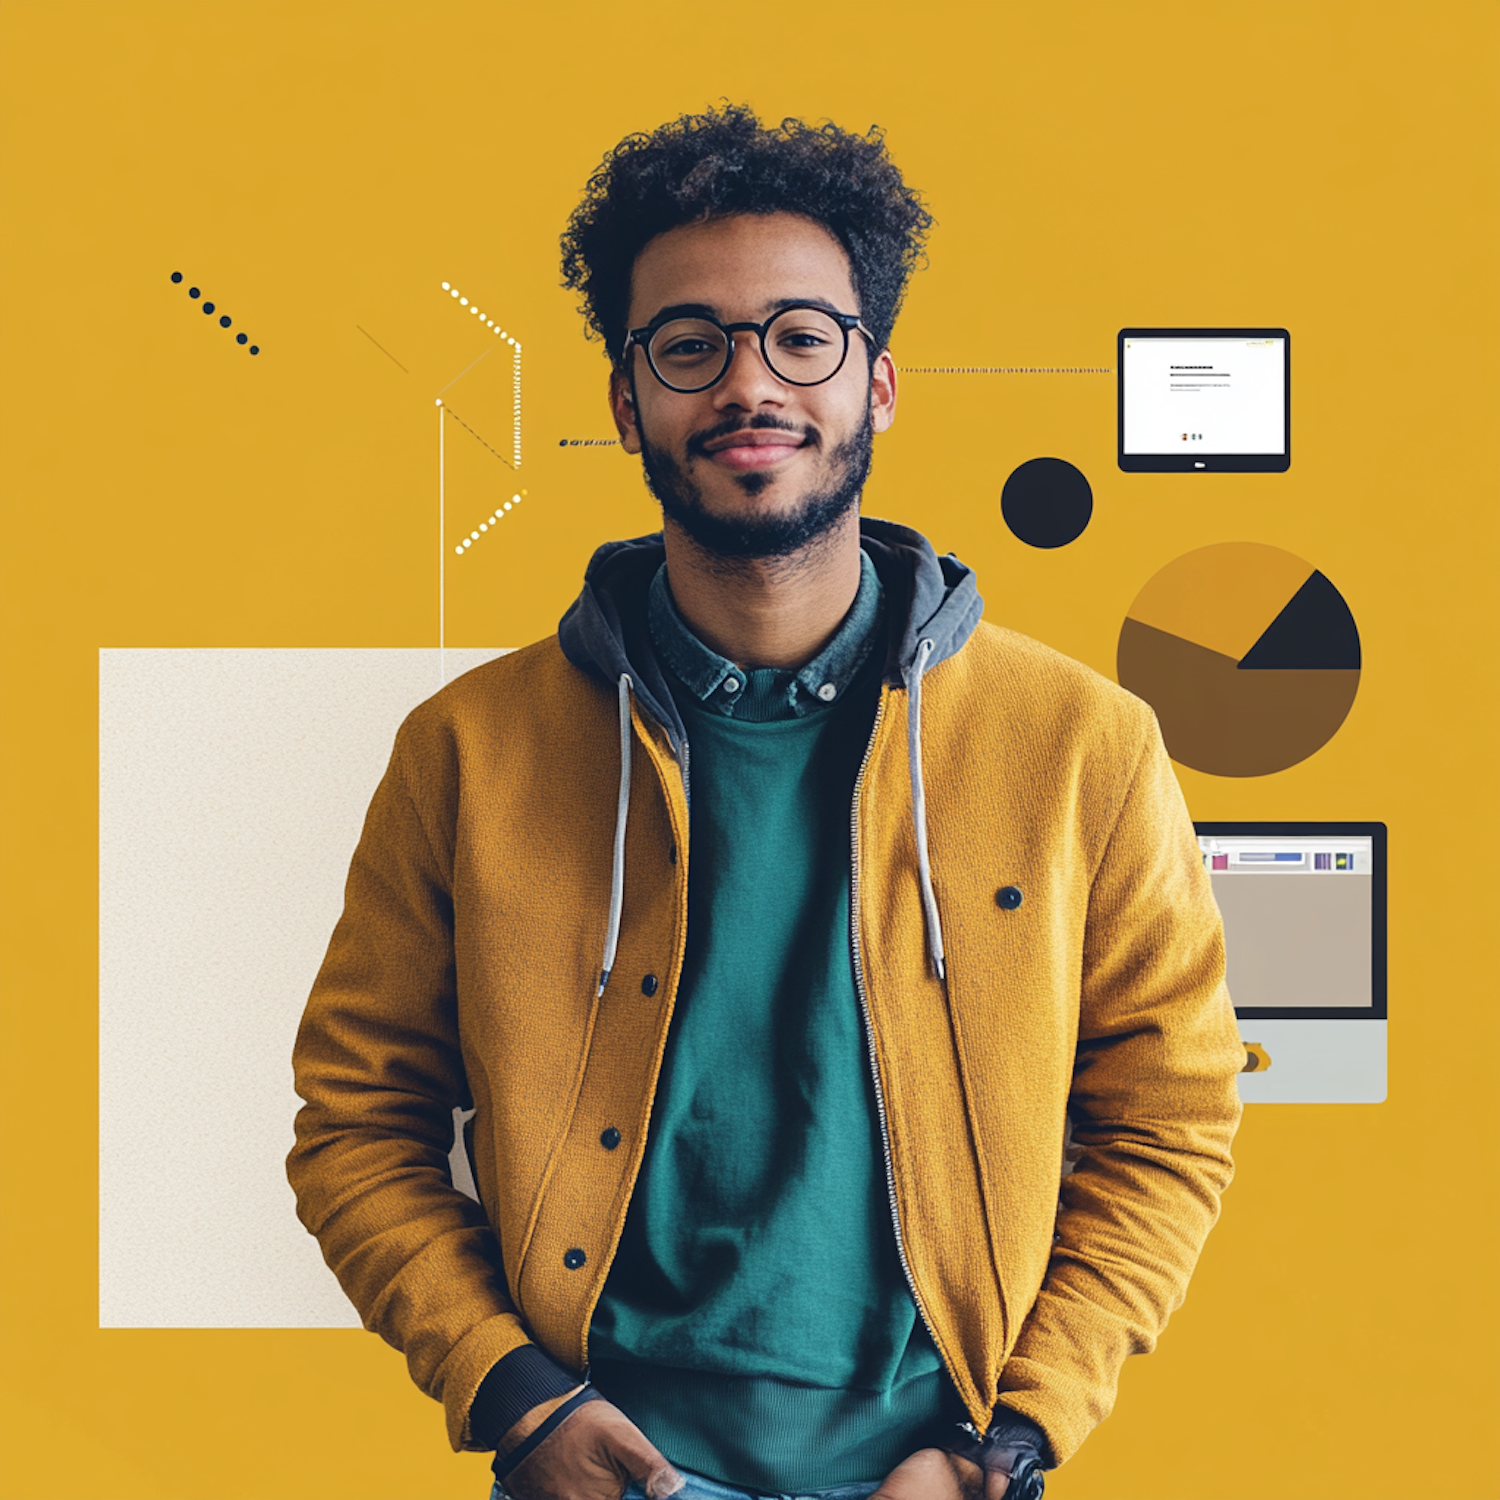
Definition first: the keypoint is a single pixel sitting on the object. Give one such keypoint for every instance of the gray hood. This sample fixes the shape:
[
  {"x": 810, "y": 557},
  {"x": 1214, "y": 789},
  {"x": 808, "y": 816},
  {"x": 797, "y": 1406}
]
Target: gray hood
[
  {"x": 604, "y": 631},
  {"x": 932, "y": 606}
]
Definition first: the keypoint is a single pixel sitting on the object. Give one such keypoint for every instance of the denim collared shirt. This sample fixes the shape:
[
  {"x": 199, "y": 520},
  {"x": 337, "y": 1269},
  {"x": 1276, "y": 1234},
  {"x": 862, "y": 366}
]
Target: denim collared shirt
[{"x": 768, "y": 693}]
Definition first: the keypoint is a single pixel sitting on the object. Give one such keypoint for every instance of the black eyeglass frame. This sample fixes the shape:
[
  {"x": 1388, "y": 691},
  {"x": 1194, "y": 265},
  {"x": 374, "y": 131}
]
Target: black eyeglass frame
[{"x": 847, "y": 322}]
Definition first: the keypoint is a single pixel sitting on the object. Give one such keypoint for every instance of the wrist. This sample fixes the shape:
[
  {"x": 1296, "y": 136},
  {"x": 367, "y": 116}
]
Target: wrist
[
  {"x": 531, "y": 1420},
  {"x": 541, "y": 1430},
  {"x": 524, "y": 1381}
]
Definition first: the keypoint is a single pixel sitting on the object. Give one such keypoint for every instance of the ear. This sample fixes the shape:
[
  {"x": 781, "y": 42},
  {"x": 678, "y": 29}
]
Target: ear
[
  {"x": 622, "y": 408},
  {"x": 883, "y": 391}
]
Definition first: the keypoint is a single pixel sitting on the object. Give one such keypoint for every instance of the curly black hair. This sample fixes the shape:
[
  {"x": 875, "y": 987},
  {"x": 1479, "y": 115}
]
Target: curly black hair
[{"x": 726, "y": 162}]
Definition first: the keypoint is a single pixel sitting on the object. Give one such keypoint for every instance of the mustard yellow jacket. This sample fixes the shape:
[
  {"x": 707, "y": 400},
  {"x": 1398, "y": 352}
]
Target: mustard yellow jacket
[{"x": 504, "y": 856}]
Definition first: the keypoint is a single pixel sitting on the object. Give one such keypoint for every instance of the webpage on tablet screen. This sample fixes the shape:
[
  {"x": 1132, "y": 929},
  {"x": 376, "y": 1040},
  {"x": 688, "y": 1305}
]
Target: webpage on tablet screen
[{"x": 1205, "y": 396}]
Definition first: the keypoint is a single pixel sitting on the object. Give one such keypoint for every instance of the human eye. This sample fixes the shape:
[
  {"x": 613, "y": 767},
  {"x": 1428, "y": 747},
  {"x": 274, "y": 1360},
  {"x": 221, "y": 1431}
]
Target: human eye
[
  {"x": 687, "y": 344},
  {"x": 805, "y": 334}
]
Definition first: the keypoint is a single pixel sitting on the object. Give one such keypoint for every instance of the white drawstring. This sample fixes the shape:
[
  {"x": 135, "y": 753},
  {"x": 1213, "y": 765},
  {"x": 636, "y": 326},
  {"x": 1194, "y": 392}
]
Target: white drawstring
[
  {"x": 622, "y": 817},
  {"x": 919, "y": 805}
]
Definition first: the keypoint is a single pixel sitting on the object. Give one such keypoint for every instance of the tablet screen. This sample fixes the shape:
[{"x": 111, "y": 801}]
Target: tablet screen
[{"x": 1191, "y": 399}]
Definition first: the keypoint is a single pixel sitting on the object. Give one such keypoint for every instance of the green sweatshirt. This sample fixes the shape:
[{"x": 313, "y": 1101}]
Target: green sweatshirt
[{"x": 756, "y": 1323}]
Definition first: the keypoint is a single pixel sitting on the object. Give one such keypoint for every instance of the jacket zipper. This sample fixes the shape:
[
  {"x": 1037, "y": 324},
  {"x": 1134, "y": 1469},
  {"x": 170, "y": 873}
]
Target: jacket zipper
[{"x": 864, "y": 1006}]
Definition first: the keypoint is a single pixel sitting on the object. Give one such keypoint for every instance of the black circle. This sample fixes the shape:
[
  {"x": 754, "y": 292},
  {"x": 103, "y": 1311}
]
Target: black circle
[
  {"x": 194, "y": 292},
  {"x": 176, "y": 275},
  {"x": 223, "y": 322},
  {"x": 255, "y": 348},
  {"x": 648, "y": 985},
  {"x": 562, "y": 442},
  {"x": 242, "y": 338},
  {"x": 1046, "y": 502},
  {"x": 208, "y": 307},
  {"x": 610, "y": 1139},
  {"x": 1008, "y": 897},
  {"x": 573, "y": 1259}
]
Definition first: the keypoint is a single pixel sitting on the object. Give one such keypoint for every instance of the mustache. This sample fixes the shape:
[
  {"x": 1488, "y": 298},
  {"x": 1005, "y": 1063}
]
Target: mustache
[{"x": 697, "y": 444}]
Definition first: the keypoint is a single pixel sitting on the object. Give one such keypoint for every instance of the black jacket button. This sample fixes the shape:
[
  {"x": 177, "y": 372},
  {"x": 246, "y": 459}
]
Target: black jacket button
[
  {"x": 1008, "y": 897},
  {"x": 573, "y": 1259},
  {"x": 610, "y": 1139},
  {"x": 648, "y": 985}
]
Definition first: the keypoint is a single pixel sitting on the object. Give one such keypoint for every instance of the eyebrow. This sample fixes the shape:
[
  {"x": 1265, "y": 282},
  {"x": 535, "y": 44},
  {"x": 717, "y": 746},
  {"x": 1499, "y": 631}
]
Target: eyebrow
[{"x": 708, "y": 310}]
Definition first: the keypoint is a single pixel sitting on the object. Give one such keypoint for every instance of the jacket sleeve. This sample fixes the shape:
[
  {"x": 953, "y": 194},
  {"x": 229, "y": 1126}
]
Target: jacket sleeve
[
  {"x": 377, "y": 1061},
  {"x": 1154, "y": 1105}
]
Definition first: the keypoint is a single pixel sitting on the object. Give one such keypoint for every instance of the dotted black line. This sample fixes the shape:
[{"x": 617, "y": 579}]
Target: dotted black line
[
  {"x": 224, "y": 321},
  {"x": 503, "y": 459},
  {"x": 588, "y": 442},
  {"x": 1005, "y": 369}
]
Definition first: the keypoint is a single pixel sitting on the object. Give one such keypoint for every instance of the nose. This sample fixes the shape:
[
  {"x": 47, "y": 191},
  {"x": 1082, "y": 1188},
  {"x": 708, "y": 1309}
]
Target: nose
[{"x": 749, "y": 382}]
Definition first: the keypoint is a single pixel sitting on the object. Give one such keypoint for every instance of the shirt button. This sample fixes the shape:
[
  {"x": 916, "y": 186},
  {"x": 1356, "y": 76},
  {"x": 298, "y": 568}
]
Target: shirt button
[
  {"x": 827, "y": 692},
  {"x": 572, "y": 1259},
  {"x": 1008, "y": 897},
  {"x": 731, "y": 684},
  {"x": 610, "y": 1139},
  {"x": 648, "y": 985}
]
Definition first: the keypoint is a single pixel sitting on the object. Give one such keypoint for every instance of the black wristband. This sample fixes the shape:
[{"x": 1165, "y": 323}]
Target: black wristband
[
  {"x": 525, "y": 1378},
  {"x": 532, "y": 1441}
]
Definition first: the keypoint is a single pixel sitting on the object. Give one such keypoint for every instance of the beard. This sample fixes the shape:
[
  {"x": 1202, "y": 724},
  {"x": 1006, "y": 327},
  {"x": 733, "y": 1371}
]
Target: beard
[{"x": 750, "y": 537}]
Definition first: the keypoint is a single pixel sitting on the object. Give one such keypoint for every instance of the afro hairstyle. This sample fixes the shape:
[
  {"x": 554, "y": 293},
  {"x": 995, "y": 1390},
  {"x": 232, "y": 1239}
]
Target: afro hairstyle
[{"x": 726, "y": 162}]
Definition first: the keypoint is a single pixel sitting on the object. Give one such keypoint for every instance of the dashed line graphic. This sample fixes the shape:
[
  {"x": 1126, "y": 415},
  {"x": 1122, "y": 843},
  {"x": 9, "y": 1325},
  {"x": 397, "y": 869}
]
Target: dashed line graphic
[
  {"x": 225, "y": 321},
  {"x": 494, "y": 520},
  {"x": 515, "y": 359},
  {"x": 503, "y": 459},
  {"x": 1005, "y": 369}
]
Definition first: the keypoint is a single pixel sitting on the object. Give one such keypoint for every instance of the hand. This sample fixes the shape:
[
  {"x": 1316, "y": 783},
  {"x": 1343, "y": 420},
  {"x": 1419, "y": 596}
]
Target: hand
[
  {"x": 592, "y": 1454},
  {"x": 932, "y": 1474}
]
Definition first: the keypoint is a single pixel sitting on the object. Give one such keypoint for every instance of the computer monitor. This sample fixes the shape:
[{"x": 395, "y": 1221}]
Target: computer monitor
[{"x": 1304, "y": 908}]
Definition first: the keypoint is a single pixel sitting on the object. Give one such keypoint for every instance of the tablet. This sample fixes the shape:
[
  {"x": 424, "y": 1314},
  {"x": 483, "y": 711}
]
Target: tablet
[{"x": 1200, "y": 400}]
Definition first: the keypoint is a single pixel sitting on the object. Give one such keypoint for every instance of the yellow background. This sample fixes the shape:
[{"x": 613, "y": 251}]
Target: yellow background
[{"x": 320, "y": 168}]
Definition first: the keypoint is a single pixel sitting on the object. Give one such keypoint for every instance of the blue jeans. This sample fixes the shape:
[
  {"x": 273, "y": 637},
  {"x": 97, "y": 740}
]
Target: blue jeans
[{"x": 700, "y": 1488}]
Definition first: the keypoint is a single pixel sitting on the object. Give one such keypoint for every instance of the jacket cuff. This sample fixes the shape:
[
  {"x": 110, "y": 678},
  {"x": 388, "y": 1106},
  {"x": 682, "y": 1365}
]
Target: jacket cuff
[
  {"x": 1015, "y": 1431},
  {"x": 522, "y": 1379},
  {"x": 1010, "y": 1440}
]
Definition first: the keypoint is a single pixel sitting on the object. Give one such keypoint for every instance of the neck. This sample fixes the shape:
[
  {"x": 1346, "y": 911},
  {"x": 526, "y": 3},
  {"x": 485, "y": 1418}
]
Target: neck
[{"x": 766, "y": 612}]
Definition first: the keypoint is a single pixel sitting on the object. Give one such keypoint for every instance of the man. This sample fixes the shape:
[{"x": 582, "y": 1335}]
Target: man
[{"x": 773, "y": 919}]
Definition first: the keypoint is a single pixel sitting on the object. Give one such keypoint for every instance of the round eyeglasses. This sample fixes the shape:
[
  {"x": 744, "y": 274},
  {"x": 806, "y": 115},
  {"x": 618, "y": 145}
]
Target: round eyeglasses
[{"x": 801, "y": 345}]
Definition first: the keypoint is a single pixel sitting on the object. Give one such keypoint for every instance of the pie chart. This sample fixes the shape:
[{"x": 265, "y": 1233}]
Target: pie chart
[{"x": 1248, "y": 654}]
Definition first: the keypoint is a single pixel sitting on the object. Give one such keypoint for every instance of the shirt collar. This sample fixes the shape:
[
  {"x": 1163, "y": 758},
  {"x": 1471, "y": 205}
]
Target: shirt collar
[{"x": 768, "y": 692}]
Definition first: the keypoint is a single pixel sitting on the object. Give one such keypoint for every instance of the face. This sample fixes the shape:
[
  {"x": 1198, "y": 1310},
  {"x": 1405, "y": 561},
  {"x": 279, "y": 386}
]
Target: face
[{"x": 754, "y": 466}]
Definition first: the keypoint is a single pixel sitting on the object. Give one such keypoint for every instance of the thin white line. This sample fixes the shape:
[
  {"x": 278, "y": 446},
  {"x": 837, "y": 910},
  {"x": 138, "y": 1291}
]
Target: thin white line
[
  {"x": 442, "y": 556},
  {"x": 465, "y": 371}
]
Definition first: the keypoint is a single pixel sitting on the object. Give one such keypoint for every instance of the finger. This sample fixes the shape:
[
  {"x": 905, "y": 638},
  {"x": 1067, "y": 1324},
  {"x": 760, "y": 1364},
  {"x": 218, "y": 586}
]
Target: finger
[
  {"x": 970, "y": 1477},
  {"x": 643, "y": 1462},
  {"x": 995, "y": 1485},
  {"x": 929, "y": 1474}
]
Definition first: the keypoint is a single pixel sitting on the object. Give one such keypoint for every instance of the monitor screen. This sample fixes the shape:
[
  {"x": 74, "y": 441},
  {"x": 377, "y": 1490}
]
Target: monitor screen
[
  {"x": 1304, "y": 917},
  {"x": 1195, "y": 397},
  {"x": 1205, "y": 399}
]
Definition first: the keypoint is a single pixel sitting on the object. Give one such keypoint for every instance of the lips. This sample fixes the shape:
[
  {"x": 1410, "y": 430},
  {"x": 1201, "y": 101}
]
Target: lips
[{"x": 753, "y": 448}]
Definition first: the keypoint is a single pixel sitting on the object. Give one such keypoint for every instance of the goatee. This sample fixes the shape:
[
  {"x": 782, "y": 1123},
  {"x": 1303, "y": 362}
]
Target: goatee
[{"x": 749, "y": 537}]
